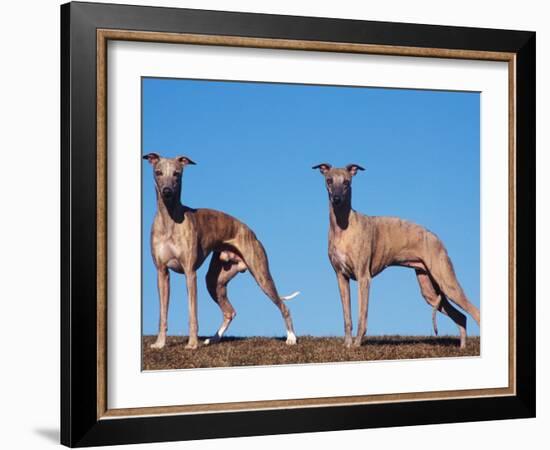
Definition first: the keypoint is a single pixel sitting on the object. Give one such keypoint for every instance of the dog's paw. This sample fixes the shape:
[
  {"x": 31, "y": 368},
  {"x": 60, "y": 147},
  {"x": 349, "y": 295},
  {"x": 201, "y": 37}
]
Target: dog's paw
[
  {"x": 347, "y": 342},
  {"x": 291, "y": 339},
  {"x": 212, "y": 340},
  {"x": 357, "y": 342},
  {"x": 192, "y": 346},
  {"x": 157, "y": 345}
]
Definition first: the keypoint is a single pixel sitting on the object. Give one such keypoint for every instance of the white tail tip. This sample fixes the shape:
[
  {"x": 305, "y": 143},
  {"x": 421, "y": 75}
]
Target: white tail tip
[{"x": 291, "y": 296}]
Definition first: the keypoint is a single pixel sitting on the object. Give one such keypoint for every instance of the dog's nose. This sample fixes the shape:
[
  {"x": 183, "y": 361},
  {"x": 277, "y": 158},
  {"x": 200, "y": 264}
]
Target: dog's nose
[
  {"x": 166, "y": 192},
  {"x": 336, "y": 199}
]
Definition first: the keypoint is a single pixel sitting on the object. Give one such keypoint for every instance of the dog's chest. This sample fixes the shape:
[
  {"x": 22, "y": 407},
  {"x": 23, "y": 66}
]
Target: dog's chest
[
  {"x": 341, "y": 262},
  {"x": 166, "y": 253}
]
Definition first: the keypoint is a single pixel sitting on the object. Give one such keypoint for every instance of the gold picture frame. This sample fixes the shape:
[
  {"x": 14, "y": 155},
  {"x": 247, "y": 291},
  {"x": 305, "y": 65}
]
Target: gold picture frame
[{"x": 78, "y": 427}]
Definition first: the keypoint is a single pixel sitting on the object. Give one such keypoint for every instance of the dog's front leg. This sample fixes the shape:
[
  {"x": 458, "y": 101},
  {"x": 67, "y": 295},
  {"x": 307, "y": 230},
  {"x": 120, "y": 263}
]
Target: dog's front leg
[
  {"x": 343, "y": 285},
  {"x": 191, "y": 278},
  {"x": 363, "y": 291},
  {"x": 163, "y": 283}
]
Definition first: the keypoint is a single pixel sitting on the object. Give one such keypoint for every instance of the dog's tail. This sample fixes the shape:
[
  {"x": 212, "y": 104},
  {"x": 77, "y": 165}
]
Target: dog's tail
[{"x": 291, "y": 296}]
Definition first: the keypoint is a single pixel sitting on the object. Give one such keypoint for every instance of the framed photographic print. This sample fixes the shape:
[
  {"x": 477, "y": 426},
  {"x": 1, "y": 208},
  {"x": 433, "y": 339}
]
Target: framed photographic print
[{"x": 218, "y": 278}]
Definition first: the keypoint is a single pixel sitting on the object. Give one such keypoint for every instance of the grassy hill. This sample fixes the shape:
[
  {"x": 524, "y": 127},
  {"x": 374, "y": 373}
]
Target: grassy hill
[{"x": 254, "y": 351}]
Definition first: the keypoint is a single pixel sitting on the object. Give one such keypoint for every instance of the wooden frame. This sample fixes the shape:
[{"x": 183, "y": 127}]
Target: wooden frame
[{"x": 86, "y": 28}]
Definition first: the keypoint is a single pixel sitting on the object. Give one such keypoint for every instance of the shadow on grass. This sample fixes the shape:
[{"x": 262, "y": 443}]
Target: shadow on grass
[
  {"x": 443, "y": 341},
  {"x": 440, "y": 341},
  {"x": 242, "y": 338},
  {"x": 170, "y": 342}
]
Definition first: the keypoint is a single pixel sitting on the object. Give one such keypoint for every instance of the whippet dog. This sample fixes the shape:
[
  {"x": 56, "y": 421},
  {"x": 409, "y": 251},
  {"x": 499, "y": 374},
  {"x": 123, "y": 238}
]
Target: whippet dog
[
  {"x": 360, "y": 247},
  {"x": 183, "y": 237}
]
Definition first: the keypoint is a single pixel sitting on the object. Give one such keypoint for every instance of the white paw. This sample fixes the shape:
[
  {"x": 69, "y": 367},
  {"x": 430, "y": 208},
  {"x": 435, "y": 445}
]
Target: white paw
[
  {"x": 157, "y": 345},
  {"x": 213, "y": 340},
  {"x": 291, "y": 339}
]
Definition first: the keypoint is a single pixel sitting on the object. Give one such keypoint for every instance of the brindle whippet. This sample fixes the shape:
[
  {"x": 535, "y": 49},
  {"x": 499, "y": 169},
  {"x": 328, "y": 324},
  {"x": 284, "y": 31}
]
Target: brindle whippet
[
  {"x": 182, "y": 238},
  {"x": 360, "y": 247}
]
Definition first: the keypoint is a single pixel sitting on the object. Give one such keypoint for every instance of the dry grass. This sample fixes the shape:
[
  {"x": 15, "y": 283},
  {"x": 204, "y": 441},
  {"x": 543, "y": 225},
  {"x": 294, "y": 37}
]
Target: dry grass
[{"x": 255, "y": 351}]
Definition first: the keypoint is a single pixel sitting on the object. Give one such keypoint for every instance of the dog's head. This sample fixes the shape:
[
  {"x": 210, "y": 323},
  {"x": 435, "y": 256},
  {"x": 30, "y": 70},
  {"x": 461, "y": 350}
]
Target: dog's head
[
  {"x": 338, "y": 181},
  {"x": 167, "y": 173}
]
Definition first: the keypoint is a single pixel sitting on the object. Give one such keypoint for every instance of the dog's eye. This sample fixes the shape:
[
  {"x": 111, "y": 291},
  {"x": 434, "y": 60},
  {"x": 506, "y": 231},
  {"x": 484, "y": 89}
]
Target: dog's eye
[
  {"x": 158, "y": 173},
  {"x": 346, "y": 182},
  {"x": 329, "y": 180},
  {"x": 176, "y": 174}
]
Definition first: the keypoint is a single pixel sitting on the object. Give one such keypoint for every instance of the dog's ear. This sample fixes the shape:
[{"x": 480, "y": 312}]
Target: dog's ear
[
  {"x": 353, "y": 168},
  {"x": 184, "y": 161},
  {"x": 151, "y": 157},
  {"x": 323, "y": 167}
]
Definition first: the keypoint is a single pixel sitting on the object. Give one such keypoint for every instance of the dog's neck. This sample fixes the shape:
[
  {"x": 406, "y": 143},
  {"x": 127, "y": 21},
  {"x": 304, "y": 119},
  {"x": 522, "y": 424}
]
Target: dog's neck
[
  {"x": 339, "y": 214},
  {"x": 170, "y": 210}
]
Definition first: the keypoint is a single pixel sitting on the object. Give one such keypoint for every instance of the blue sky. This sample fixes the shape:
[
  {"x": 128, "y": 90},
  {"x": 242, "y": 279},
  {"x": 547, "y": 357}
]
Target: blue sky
[{"x": 255, "y": 143}]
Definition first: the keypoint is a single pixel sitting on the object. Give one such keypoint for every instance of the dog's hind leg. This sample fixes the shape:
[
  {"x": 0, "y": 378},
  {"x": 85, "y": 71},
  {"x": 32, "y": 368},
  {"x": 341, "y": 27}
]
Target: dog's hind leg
[
  {"x": 457, "y": 317},
  {"x": 442, "y": 271},
  {"x": 439, "y": 302},
  {"x": 219, "y": 274},
  {"x": 256, "y": 261}
]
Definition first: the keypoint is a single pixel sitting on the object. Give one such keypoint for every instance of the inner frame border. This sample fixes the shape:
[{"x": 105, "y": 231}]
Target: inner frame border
[{"x": 104, "y": 35}]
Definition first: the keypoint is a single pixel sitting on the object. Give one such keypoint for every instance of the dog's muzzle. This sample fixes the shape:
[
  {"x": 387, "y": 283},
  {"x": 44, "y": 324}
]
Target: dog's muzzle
[{"x": 167, "y": 192}]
